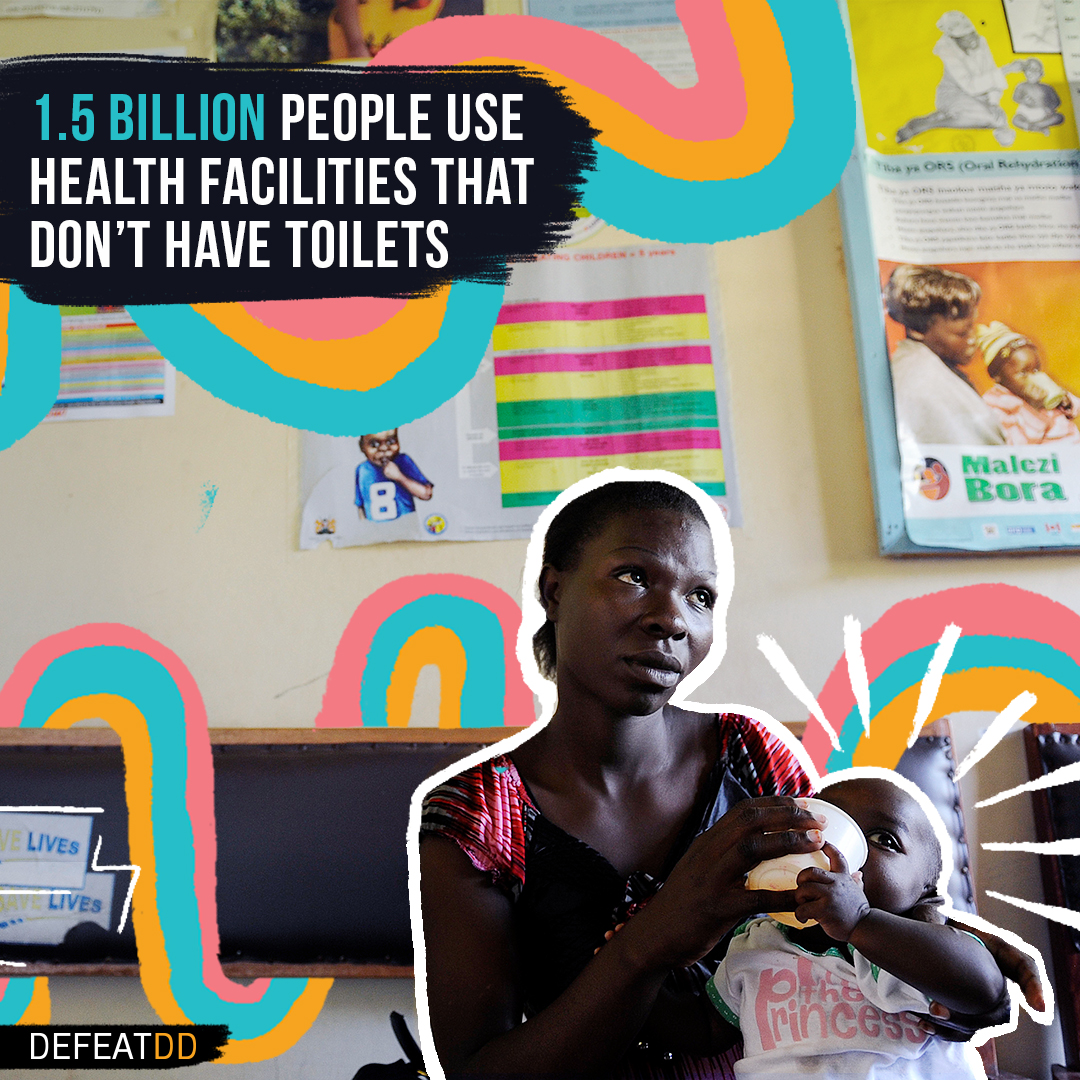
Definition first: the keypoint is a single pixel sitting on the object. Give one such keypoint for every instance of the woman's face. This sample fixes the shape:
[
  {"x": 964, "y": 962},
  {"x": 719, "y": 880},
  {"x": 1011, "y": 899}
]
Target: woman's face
[
  {"x": 634, "y": 616},
  {"x": 952, "y": 339}
]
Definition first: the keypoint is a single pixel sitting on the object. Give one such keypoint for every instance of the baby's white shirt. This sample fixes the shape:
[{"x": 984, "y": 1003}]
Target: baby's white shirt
[{"x": 805, "y": 1014}]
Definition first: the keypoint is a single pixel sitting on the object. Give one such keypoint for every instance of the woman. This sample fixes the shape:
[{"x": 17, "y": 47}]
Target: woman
[
  {"x": 530, "y": 862},
  {"x": 969, "y": 94}
]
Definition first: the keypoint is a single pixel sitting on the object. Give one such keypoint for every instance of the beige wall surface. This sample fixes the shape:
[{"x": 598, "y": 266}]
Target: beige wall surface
[{"x": 102, "y": 522}]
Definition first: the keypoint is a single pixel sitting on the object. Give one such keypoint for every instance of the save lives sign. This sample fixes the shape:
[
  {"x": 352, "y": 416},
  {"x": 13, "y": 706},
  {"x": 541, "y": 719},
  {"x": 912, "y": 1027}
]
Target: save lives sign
[
  {"x": 44, "y": 918},
  {"x": 44, "y": 850}
]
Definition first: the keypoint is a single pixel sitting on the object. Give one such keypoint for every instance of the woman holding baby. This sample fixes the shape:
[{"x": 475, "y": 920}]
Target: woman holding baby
[{"x": 530, "y": 861}]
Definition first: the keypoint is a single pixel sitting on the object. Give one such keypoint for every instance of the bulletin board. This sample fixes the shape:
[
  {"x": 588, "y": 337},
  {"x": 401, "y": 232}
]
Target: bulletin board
[{"x": 311, "y": 867}]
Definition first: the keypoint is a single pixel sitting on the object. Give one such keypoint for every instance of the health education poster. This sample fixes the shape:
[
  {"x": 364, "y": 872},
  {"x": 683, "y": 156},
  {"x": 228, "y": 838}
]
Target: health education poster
[
  {"x": 600, "y": 358},
  {"x": 248, "y": 278},
  {"x": 970, "y": 183}
]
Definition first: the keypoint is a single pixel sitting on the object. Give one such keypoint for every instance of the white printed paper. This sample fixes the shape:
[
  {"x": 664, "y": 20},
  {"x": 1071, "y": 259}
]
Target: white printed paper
[
  {"x": 600, "y": 357},
  {"x": 44, "y": 850},
  {"x": 45, "y": 918},
  {"x": 109, "y": 369},
  {"x": 83, "y": 9}
]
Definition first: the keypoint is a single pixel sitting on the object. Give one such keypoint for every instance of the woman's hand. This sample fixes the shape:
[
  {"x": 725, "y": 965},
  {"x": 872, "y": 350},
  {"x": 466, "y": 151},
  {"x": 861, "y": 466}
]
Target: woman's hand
[
  {"x": 705, "y": 895},
  {"x": 1015, "y": 965}
]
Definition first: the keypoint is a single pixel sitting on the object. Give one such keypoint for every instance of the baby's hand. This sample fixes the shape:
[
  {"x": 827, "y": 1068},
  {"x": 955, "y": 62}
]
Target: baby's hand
[
  {"x": 392, "y": 471},
  {"x": 834, "y": 897}
]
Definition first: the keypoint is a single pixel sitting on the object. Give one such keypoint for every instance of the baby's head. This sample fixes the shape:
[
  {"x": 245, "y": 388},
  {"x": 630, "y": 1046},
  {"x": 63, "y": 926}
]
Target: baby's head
[
  {"x": 381, "y": 448},
  {"x": 904, "y": 861},
  {"x": 937, "y": 307},
  {"x": 1013, "y": 361},
  {"x": 1033, "y": 70}
]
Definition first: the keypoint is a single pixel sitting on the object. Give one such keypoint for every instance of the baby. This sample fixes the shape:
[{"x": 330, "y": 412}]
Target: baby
[
  {"x": 1031, "y": 407},
  {"x": 832, "y": 999},
  {"x": 1036, "y": 103},
  {"x": 389, "y": 480}
]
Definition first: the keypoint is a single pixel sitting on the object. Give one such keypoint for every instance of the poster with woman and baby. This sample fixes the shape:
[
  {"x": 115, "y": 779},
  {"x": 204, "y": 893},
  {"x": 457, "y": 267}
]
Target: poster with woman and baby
[{"x": 962, "y": 219}]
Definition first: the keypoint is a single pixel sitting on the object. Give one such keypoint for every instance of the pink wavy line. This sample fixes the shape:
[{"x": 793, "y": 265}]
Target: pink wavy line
[
  {"x": 918, "y": 623},
  {"x": 329, "y": 319},
  {"x": 341, "y": 701},
  {"x": 200, "y": 771},
  {"x": 715, "y": 108}
]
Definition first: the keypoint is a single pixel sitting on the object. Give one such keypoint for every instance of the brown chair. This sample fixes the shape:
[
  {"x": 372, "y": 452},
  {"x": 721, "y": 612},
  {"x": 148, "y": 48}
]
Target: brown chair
[
  {"x": 931, "y": 765},
  {"x": 1057, "y": 817}
]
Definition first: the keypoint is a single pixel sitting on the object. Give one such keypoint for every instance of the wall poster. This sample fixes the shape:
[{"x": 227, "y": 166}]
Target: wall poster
[
  {"x": 600, "y": 357},
  {"x": 962, "y": 221}
]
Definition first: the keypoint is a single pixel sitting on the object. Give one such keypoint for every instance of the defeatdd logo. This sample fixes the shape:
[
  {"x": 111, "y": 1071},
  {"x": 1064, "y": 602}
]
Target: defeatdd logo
[{"x": 152, "y": 1046}]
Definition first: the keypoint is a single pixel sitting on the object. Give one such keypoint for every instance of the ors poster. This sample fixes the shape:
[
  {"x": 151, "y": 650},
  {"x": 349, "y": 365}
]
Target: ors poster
[{"x": 312, "y": 314}]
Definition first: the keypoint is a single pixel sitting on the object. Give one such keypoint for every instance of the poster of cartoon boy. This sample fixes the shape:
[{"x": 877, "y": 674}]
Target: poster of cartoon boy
[{"x": 388, "y": 481}]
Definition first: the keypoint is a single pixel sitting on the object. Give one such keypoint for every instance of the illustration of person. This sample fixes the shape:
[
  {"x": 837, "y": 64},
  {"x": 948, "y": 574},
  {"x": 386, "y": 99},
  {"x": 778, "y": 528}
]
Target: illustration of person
[
  {"x": 969, "y": 94},
  {"x": 388, "y": 481},
  {"x": 1036, "y": 103},
  {"x": 935, "y": 402},
  {"x": 1031, "y": 407},
  {"x": 360, "y": 28}
]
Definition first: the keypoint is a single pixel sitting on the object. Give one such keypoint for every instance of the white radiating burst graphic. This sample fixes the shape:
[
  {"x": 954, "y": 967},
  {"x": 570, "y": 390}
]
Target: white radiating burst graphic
[
  {"x": 135, "y": 871},
  {"x": 995, "y": 732}
]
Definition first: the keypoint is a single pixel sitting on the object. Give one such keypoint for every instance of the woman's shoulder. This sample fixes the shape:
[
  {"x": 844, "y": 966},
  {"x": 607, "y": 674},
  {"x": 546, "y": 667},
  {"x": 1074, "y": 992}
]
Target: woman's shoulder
[
  {"x": 761, "y": 759},
  {"x": 483, "y": 810},
  {"x": 765, "y": 760},
  {"x": 488, "y": 787}
]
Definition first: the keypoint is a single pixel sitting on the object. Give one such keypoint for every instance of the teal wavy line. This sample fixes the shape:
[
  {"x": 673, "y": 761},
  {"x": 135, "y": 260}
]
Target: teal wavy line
[
  {"x": 971, "y": 653},
  {"x": 481, "y": 633},
  {"x": 16, "y": 1000},
  {"x": 32, "y": 373},
  {"x": 818, "y": 147},
  {"x": 147, "y": 684},
  {"x": 621, "y": 191},
  {"x": 229, "y": 371}
]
